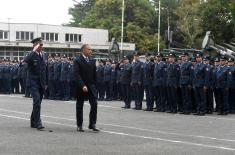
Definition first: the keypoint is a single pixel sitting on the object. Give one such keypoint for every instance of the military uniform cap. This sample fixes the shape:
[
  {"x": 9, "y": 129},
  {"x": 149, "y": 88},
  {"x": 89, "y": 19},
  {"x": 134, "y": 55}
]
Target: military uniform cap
[
  {"x": 36, "y": 40},
  {"x": 223, "y": 58},
  {"x": 185, "y": 53},
  {"x": 147, "y": 54},
  {"x": 159, "y": 54},
  {"x": 206, "y": 58},
  {"x": 199, "y": 54},
  {"x": 171, "y": 54},
  {"x": 193, "y": 59}
]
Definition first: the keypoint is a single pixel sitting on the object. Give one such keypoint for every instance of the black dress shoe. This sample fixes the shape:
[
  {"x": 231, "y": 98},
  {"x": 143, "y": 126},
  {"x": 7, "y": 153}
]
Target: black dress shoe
[
  {"x": 94, "y": 128},
  {"x": 80, "y": 129},
  {"x": 40, "y": 127}
]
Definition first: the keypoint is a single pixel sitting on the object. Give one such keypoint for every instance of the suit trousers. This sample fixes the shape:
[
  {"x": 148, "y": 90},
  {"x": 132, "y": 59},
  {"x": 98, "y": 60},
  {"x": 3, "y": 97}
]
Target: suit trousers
[{"x": 93, "y": 110}]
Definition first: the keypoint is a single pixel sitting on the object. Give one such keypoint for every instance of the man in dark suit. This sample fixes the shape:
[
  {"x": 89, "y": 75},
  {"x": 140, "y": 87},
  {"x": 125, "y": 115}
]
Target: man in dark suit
[
  {"x": 85, "y": 76},
  {"x": 36, "y": 80}
]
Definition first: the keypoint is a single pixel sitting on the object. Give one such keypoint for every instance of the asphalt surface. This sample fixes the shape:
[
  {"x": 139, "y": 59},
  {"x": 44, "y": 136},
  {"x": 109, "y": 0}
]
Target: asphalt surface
[{"x": 124, "y": 132}]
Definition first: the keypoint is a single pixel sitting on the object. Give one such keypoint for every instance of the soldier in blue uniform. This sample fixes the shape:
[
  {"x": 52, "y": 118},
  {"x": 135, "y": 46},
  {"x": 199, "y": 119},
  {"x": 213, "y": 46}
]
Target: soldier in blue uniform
[
  {"x": 231, "y": 85},
  {"x": 222, "y": 86},
  {"x": 64, "y": 78},
  {"x": 7, "y": 77},
  {"x": 57, "y": 74},
  {"x": 199, "y": 85},
  {"x": 107, "y": 80},
  {"x": 36, "y": 80},
  {"x": 1, "y": 76},
  {"x": 125, "y": 80},
  {"x": 215, "y": 91},
  {"x": 186, "y": 72},
  {"x": 100, "y": 80},
  {"x": 173, "y": 75},
  {"x": 113, "y": 84},
  {"x": 15, "y": 77},
  {"x": 209, "y": 84},
  {"x": 193, "y": 99},
  {"x": 159, "y": 83},
  {"x": 137, "y": 81},
  {"x": 148, "y": 68},
  {"x": 50, "y": 69}
]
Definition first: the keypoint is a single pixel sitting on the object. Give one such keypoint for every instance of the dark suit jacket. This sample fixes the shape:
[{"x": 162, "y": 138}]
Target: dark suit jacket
[
  {"x": 36, "y": 74},
  {"x": 85, "y": 75}
]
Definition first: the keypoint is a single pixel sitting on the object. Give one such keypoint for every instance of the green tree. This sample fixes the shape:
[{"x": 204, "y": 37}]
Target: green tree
[
  {"x": 188, "y": 23},
  {"x": 216, "y": 16},
  {"x": 79, "y": 11}
]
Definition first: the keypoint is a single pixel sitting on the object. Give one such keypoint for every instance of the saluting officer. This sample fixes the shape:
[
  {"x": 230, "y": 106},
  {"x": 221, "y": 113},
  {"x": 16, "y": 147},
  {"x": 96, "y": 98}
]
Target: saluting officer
[
  {"x": 125, "y": 80},
  {"x": 173, "y": 74},
  {"x": 100, "y": 80},
  {"x": 209, "y": 85},
  {"x": 186, "y": 72},
  {"x": 147, "y": 82},
  {"x": 137, "y": 81},
  {"x": 159, "y": 83},
  {"x": 222, "y": 86},
  {"x": 36, "y": 80},
  {"x": 231, "y": 85},
  {"x": 199, "y": 85}
]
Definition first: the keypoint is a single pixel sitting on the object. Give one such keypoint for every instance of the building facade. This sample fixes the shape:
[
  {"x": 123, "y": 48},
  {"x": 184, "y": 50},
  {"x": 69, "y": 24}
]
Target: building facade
[{"x": 15, "y": 39}]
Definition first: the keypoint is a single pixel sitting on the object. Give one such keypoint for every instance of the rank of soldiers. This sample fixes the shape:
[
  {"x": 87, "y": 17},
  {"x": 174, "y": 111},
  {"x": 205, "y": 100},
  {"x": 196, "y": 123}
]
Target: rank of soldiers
[{"x": 197, "y": 85}]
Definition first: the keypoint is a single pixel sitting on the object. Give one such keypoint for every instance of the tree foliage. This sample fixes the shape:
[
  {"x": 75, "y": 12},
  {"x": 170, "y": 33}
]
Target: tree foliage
[{"x": 188, "y": 19}]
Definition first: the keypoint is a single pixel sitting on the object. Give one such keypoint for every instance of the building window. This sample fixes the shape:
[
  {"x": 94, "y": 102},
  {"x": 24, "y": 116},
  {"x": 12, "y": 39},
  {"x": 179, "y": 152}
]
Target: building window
[
  {"x": 75, "y": 38},
  {"x": 22, "y": 35},
  {"x": 53, "y": 37},
  {"x": 3, "y": 35}
]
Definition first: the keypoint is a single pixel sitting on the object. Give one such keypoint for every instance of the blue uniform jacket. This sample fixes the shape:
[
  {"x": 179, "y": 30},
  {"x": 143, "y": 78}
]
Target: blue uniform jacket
[
  {"x": 36, "y": 75},
  {"x": 222, "y": 77},
  {"x": 159, "y": 74},
  {"x": 137, "y": 72},
  {"x": 186, "y": 73},
  {"x": 173, "y": 74},
  {"x": 199, "y": 75}
]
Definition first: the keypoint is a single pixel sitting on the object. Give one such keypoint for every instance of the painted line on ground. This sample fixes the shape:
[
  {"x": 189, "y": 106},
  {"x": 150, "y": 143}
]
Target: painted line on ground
[
  {"x": 73, "y": 102},
  {"x": 133, "y": 135},
  {"x": 129, "y": 127}
]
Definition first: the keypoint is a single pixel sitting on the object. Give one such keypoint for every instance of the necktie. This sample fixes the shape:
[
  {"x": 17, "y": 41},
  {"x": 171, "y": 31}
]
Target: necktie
[{"x": 87, "y": 59}]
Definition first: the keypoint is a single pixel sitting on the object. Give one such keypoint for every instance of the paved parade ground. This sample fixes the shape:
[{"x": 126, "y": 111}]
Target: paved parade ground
[{"x": 123, "y": 132}]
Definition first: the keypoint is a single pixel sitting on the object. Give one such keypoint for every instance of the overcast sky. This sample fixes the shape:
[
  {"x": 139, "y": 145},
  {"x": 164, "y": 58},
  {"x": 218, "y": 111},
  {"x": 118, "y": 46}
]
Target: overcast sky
[{"x": 35, "y": 11}]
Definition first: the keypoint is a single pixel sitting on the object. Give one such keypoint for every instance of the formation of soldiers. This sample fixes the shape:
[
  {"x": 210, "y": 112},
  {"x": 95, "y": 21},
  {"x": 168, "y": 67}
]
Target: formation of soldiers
[
  {"x": 13, "y": 76},
  {"x": 169, "y": 83}
]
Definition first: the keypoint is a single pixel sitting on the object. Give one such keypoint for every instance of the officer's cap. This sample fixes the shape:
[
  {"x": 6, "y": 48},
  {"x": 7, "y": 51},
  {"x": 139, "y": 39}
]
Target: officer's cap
[
  {"x": 206, "y": 58},
  {"x": 147, "y": 54},
  {"x": 223, "y": 58},
  {"x": 199, "y": 54},
  {"x": 36, "y": 40},
  {"x": 230, "y": 60},
  {"x": 171, "y": 54},
  {"x": 193, "y": 59},
  {"x": 108, "y": 60},
  {"x": 159, "y": 54},
  {"x": 185, "y": 54}
]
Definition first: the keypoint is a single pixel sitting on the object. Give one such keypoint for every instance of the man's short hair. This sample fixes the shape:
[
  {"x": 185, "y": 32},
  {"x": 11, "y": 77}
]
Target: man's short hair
[{"x": 83, "y": 47}]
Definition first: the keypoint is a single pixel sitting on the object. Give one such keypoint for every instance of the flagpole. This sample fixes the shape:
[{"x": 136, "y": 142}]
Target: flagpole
[
  {"x": 159, "y": 24},
  {"x": 123, "y": 9}
]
